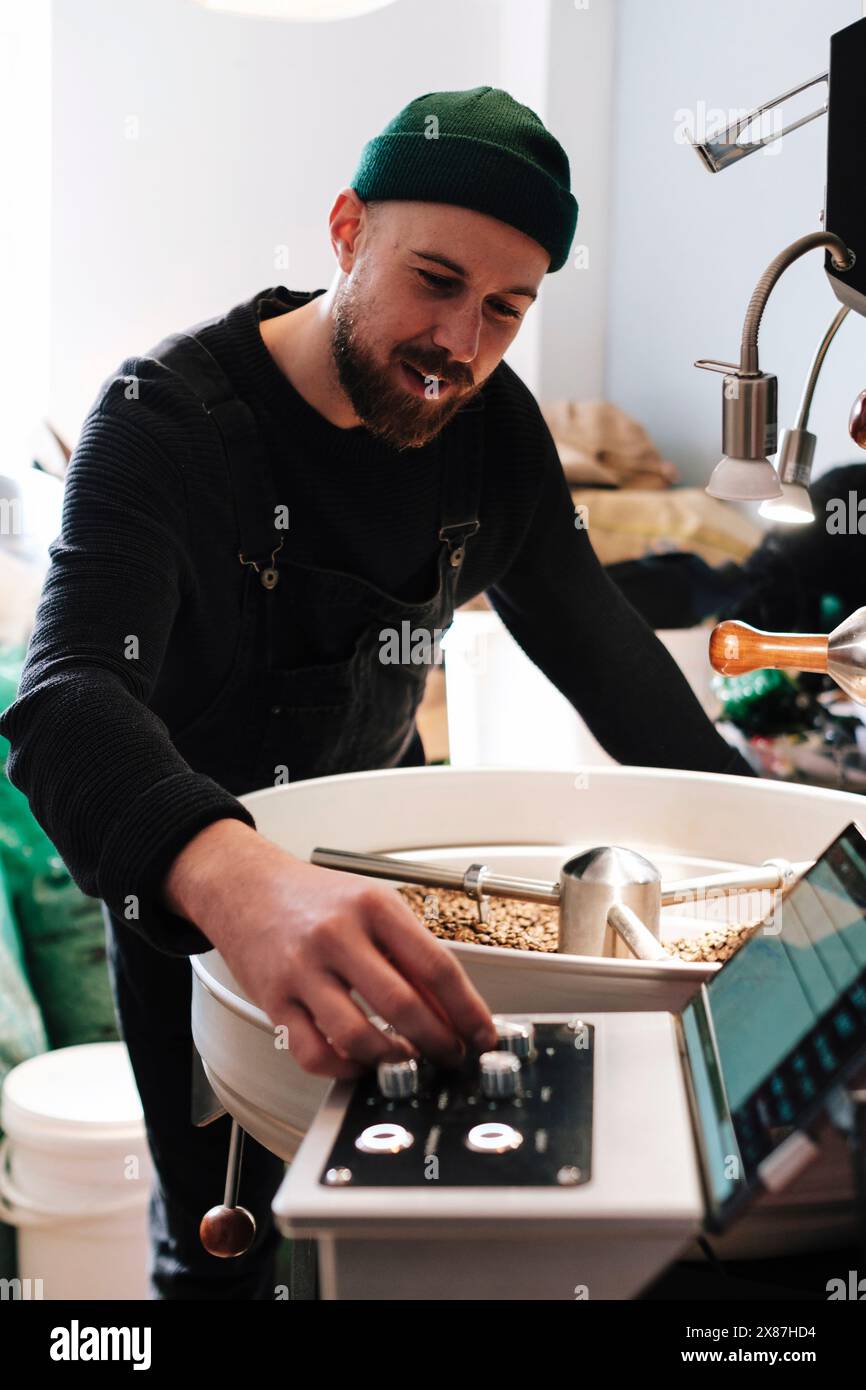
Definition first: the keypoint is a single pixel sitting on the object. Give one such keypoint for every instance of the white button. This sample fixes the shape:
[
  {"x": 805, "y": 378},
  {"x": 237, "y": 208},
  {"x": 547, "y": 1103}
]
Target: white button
[
  {"x": 493, "y": 1138},
  {"x": 384, "y": 1139}
]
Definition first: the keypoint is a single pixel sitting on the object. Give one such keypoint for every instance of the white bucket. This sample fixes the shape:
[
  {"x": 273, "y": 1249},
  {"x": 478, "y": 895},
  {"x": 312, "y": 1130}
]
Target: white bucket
[
  {"x": 75, "y": 1174},
  {"x": 504, "y": 712}
]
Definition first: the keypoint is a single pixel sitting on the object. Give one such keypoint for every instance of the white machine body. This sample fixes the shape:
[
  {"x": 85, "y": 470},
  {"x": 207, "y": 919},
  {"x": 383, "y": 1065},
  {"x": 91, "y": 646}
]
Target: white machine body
[
  {"x": 527, "y": 822},
  {"x": 604, "y": 1239}
]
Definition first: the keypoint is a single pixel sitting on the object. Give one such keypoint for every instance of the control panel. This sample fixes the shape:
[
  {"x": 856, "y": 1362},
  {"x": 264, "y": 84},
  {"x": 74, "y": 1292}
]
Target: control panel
[{"x": 520, "y": 1115}]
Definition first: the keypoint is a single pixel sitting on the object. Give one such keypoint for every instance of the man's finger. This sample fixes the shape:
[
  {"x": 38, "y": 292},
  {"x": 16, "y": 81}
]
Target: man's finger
[
  {"x": 309, "y": 1047},
  {"x": 399, "y": 1001},
  {"x": 346, "y": 1026},
  {"x": 431, "y": 967}
]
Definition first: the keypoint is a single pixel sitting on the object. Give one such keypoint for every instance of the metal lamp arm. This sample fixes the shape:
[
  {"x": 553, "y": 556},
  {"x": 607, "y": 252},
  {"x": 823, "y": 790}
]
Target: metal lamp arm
[
  {"x": 817, "y": 363},
  {"x": 842, "y": 259}
]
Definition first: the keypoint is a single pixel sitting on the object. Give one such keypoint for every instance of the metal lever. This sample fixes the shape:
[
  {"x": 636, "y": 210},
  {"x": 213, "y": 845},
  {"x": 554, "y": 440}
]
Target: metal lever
[
  {"x": 709, "y": 364},
  {"x": 737, "y": 647},
  {"x": 723, "y": 148},
  {"x": 229, "y": 1230}
]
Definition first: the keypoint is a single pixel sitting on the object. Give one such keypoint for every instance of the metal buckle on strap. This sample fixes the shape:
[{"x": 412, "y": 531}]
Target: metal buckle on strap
[
  {"x": 462, "y": 529},
  {"x": 456, "y": 536},
  {"x": 269, "y": 576}
]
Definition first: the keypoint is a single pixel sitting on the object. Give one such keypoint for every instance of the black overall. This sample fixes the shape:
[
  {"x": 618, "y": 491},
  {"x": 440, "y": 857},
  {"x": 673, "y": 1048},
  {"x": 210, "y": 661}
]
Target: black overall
[{"x": 307, "y": 696}]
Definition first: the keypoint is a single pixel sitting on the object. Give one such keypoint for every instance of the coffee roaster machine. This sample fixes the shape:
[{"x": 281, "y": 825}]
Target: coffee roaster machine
[{"x": 636, "y": 1103}]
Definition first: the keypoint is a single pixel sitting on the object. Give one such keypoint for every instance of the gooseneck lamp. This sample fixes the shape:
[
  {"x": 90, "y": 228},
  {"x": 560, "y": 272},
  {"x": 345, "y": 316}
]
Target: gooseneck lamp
[
  {"x": 749, "y": 406},
  {"x": 749, "y": 395}
]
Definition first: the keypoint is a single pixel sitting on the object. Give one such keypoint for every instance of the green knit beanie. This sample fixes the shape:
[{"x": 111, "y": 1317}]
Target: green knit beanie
[{"x": 478, "y": 149}]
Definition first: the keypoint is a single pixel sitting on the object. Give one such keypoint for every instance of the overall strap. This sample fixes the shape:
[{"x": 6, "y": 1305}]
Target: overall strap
[
  {"x": 252, "y": 486},
  {"x": 462, "y": 477}
]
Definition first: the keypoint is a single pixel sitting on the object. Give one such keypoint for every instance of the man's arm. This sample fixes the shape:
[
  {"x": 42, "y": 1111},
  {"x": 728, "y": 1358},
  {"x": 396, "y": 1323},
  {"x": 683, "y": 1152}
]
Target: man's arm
[
  {"x": 96, "y": 764},
  {"x": 299, "y": 940},
  {"x": 574, "y": 623},
  {"x": 169, "y": 850}
]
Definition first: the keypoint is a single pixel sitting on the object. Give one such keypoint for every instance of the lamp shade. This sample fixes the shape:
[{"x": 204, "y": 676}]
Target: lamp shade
[
  {"x": 793, "y": 507},
  {"x": 744, "y": 480}
]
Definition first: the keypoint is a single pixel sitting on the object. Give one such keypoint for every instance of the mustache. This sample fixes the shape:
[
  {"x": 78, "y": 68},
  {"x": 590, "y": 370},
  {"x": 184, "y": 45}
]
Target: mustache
[{"x": 454, "y": 373}]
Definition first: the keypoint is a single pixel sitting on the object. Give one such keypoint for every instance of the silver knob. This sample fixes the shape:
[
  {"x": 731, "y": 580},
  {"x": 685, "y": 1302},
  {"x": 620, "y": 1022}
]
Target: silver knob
[
  {"x": 516, "y": 1036},
  {"x": 500, "y": 1074},
  {"x": 398, "y": 1079}
]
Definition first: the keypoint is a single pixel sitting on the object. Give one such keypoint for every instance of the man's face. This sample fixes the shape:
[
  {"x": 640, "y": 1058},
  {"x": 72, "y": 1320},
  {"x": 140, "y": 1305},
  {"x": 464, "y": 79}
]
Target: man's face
[{"x": 431, "y": 300}]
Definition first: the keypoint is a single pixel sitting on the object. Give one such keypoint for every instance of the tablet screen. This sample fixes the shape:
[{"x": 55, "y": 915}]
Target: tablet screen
[{"x": 782, "y": 1022}]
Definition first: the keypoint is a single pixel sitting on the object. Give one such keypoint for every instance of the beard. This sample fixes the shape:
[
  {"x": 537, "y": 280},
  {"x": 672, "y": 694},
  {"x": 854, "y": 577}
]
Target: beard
[{"x": 387, "y": 408}]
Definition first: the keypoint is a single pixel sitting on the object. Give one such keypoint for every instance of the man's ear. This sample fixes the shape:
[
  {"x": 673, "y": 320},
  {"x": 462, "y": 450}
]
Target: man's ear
[{"x": 347, "y": 222}]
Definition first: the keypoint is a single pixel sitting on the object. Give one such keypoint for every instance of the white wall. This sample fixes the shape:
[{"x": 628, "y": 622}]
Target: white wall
[
  {"x": 580, "y": 111},
  {"x": 189, "y": 145},
  {"x": 687, "y": 247},
  {"x": 524, "y": 48},
  {"x": 25, "y": 214}
]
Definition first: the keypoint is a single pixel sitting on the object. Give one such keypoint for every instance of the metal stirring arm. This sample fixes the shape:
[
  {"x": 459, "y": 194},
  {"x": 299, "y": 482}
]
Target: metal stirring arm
[
  {"x": 578, "y": 908},
  {"x": 478, "y": 880},
  {"x": 635, "y": 933}
]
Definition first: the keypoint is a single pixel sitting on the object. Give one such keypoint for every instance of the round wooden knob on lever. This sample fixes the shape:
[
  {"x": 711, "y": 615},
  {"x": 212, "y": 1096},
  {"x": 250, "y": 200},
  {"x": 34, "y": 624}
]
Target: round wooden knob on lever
[{"x": 227, "y": 1231}]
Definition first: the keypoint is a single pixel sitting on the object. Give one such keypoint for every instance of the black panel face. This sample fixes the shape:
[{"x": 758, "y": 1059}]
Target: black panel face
[
  {"x": 845, "y": 209},
  {"x": 552, "y": 1113}
]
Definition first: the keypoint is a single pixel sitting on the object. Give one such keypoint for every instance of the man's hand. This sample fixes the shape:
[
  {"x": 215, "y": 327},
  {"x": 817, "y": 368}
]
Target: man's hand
[{"x": 298, "y": 939}]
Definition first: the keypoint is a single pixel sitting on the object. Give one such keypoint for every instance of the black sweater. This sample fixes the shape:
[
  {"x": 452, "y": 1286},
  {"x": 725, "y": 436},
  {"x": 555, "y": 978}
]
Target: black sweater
[{"x": 148, "y": 547}]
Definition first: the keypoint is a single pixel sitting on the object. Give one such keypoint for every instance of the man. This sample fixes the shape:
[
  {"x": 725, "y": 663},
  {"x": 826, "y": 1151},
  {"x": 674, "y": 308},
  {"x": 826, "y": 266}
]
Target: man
[{"x": 249, "y": 513}]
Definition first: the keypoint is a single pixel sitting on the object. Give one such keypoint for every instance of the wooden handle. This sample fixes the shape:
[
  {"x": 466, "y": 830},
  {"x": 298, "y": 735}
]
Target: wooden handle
[{"x": 737, "y": 647}]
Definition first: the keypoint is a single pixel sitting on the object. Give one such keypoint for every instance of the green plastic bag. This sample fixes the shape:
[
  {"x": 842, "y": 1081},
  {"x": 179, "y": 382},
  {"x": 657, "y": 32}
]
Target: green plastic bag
[{"x": 60, "y": 930}]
